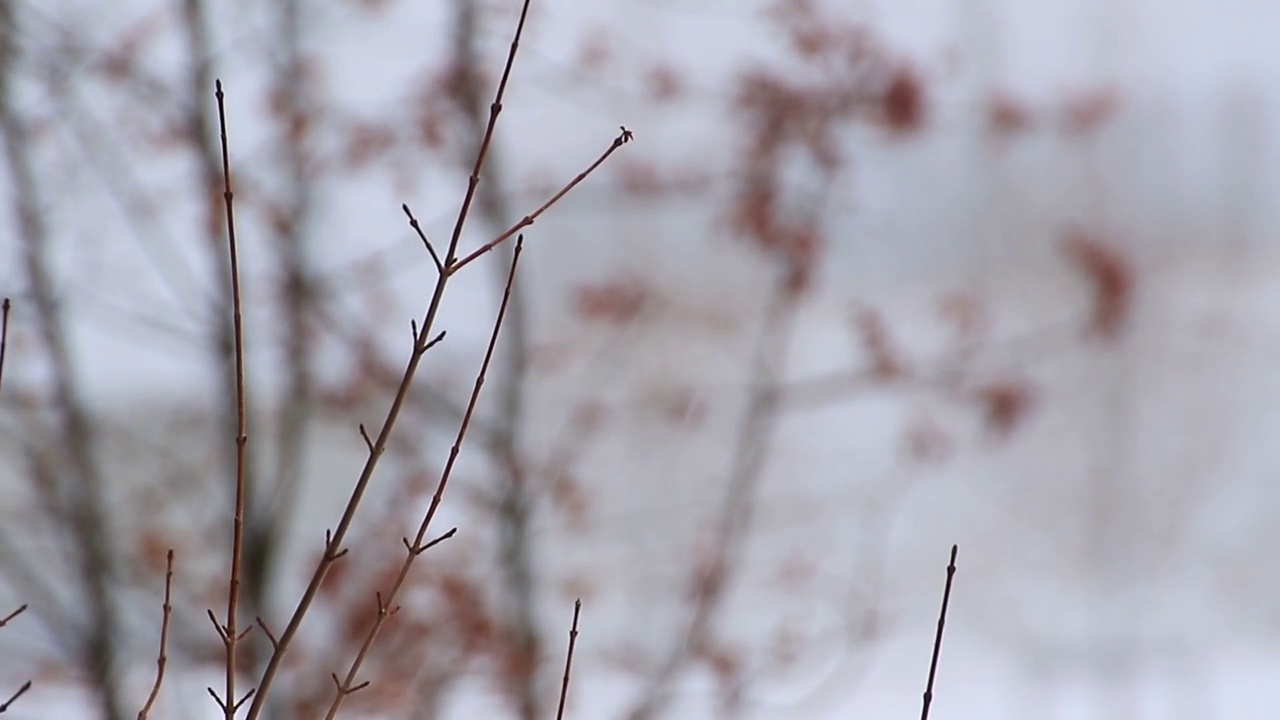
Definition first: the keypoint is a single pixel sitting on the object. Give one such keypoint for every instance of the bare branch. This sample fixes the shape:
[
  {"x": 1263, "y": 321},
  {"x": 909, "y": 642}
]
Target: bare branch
[
  {"x": 937, "y": 640},
  {"x": 230, "y": 636},
  {"x": 568, "y": 659},
  {"x": 12, "y": 698},
  {"x": 436, "y": 499},
  {"x": 4, "y": 336},
  {"x": 162, "y": 659},
  {"x": 529, "y": 219}
]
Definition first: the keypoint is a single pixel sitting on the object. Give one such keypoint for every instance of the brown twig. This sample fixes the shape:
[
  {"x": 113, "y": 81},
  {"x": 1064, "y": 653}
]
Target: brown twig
[
  {"x": 14, "y": 697},
  {"x": 7, "y": 618},
  {"x": 937, "y": 639},
  {"x": 750, "y": 451},
  {"x": 229, "y": 631},
  {"x": 4, "y": 336},
  {"x": 162, "y": 659},
  {"x": 417, "y": 547},
  {"x": 568, "y": 659},
  {"x": 623, "y": 138}
]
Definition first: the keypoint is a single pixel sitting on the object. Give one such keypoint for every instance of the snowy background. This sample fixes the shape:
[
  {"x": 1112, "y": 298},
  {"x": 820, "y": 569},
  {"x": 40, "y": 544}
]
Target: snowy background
[{"x": 1117, "y": 542}]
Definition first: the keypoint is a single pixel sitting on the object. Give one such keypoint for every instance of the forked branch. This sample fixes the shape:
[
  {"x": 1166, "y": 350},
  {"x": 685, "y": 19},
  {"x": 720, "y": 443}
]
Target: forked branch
[
  {"x": 418, "y": 546},
  {"x": 448, "y": 266}
]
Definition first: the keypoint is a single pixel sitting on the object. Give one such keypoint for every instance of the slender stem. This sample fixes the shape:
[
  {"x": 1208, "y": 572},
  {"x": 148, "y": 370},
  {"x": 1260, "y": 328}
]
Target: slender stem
[
  {"x": 417, "y": 547},
  {"x": 937, "y": 640},
  {"x": 162, "y": 659},
  {"x": 623, "y": 138},
  {"x": 4, "y": 335},
  {"x": 230, "y": 631},
  {"x": 568, "y": 659}
]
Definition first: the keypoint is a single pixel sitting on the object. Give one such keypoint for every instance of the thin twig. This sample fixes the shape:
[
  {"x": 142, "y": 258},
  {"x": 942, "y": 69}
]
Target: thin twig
[
  {"x": 4, "y": 335},
  {"x": 937, "y": 640},
  {"x": 568, "y": 659},
  {"x": 230, "y": 634},
  {"x": 418, "y": 546},
  {"x": 7, "y": 618},
  {"x": 623, "y": 138},
  {"x": 13, "y": 698},
  {"x": 339, "y": 533},
  {"x": 417, "y": 228},
  {"x": 162, "y": 659}
]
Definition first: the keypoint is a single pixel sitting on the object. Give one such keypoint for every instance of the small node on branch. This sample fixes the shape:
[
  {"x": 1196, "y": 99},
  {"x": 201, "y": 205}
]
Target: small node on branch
[
  {"x": 329, "y": 551},
  {"x": 367, "y": 442},
  {"x": 627, "y": 136},
  {"x": 937, "y": 640}
]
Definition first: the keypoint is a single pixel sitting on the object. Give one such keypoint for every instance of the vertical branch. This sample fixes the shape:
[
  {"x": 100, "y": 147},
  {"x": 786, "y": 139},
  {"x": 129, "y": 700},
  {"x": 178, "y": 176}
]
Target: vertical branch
[
  {"x": 209, "y": 180},
  {"x": 937, "y": 639},
  {"x": 229, "y": 630},
  {"x": 88, "y": 524},
  {"x": 4, "y": 337},
  {"x": 568, "y": 659},
  {"x": 162, "y": 659}
]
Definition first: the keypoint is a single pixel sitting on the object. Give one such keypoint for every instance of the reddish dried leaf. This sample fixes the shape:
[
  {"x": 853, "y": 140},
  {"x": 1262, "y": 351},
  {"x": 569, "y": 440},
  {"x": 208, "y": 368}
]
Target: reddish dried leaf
[
  {"x": 903, "y": 107},
  {"x": 1111, "y": 275},
  {"x": 1005, "y": 404},
  {"x": 664, "y": 83},
  {"x": 367, "y": 143},
  {"x": 873, "y": 334},
  {"x": 614, "y": 302},
  {"x": 595, "y": 52},
  {"x": 1008, "y": 116}
]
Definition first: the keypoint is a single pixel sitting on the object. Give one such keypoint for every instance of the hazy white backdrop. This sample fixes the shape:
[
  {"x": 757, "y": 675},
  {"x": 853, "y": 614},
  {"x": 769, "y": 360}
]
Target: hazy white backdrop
[{"x": 1118, "y": 552}]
